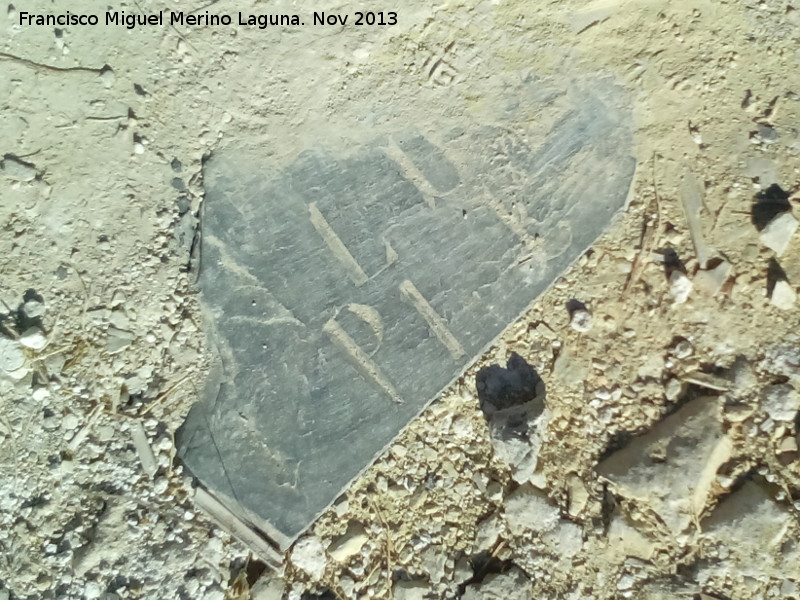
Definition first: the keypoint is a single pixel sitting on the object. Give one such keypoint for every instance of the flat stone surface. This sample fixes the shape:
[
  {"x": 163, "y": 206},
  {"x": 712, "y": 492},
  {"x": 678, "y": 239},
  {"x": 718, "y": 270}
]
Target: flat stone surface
[
  {"x": 770, "y": 545},
  {"x": 779, "y": 231},
  {"x": 511, "y": 585},
  {"x": 346, "y": 285},
  {"x": 672, "y": 466}
]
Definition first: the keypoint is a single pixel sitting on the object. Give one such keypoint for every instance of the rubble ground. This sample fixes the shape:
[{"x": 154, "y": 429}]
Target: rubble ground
[{"x": 661, "y": 456}]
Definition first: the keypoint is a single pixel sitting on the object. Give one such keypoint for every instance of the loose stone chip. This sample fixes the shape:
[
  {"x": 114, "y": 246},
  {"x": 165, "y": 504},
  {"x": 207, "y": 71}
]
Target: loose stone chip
[{"x": 672, "y": 467}]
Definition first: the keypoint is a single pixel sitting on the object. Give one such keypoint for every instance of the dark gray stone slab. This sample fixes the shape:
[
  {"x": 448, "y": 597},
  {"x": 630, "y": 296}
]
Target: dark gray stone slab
[{"x": 346, "y": 286}]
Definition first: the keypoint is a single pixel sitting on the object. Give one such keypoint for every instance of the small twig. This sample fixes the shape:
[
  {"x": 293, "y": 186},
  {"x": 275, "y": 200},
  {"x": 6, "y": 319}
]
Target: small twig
[
  {"x": 53, "y": 353},
  {"x": 655, "y": 187},
  {"x": 85, "y": 295},
  {"x": 79, "y": 353},
  {"x": 646, "y": 241},
  {"x": 389, "y": 550},
  {"x": 706, "y": 380},
  {"x": 42, "y": 66},
  {"x": 163, "y": 395},
  {"x": 81, "y": 434},
  {"x": 14, "y": 449},
  {"x": 116, "y": 118},
  {"x": 498, "y": 547},
  {"x": 494, "y": 553}
]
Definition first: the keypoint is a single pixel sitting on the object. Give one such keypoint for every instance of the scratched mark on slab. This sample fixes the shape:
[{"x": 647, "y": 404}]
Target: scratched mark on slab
[
  {"x": 434, "y": 321},
  {"x": 337, "y": 248},
  {"x": 361, "y": 359}
]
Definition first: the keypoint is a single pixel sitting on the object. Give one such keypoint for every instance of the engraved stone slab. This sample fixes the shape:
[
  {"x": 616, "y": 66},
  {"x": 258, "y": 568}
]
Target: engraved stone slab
[{"x": 346, "y": 285}]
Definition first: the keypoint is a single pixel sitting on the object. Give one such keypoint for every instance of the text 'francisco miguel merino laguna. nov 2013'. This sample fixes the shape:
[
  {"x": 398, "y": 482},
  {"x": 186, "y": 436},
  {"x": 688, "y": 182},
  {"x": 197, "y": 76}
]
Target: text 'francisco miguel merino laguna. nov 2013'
[{"x": 206, "y": 19}]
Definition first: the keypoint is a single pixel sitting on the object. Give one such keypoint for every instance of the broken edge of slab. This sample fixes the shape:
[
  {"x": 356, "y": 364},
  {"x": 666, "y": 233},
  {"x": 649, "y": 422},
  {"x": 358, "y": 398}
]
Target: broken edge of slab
[{"x": 260, "y": 541}]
